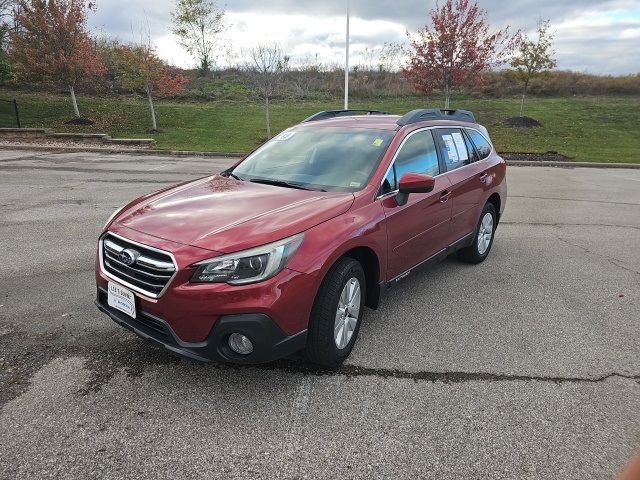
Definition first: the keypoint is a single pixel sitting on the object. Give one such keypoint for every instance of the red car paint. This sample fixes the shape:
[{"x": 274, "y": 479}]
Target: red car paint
[{"x": 198, "y": 220}]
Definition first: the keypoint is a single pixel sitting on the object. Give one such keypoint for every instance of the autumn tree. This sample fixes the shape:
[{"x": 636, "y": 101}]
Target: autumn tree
[
  {"x": 197, "y": 24},
  {"x": 53, "y": 44},
  {"x": 534, "y": 57},
  {"x": 138, "y": 68},
  {"x": 455, "y": 48},
  {"x": 266, "y": 67}
]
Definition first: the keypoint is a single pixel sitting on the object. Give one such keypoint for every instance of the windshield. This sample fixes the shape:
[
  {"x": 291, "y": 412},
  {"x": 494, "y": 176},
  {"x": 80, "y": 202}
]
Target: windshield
[{"x": 320, "y": 158}]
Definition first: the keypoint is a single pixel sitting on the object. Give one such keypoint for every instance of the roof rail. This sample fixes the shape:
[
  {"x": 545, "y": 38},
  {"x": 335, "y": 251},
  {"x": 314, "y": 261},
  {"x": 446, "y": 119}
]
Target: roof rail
[
  {"x": 342, "y": 113},
  {"x": 423, "y": 115}
]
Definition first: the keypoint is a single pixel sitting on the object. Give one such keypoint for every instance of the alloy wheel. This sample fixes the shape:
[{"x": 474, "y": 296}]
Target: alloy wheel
[
  {"x": 485, "y": 233},
  {"x": 347, "y": 313}
]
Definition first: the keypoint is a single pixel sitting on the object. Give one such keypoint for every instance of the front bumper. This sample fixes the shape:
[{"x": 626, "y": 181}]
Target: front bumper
[{"x": 269, "y": 341}]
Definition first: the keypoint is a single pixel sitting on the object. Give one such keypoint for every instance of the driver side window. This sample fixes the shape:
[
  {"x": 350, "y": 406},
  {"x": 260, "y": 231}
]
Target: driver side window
[{"x": 418, "y": 155}]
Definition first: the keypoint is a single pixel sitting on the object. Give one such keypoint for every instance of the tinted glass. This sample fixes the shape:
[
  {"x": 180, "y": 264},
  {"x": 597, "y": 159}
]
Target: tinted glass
[
  {"x": 453, "y": 148},
  {"x": 418, "y": 155},
  {"x": 338, "y": 159},
  {"x": 481, "y": 143},
  {"x": 389, "y": 184},
  {"x": 472, "y": 151}
]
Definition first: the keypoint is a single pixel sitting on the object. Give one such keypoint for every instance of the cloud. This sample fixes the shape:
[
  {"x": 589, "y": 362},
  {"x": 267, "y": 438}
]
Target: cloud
[{"x": 599, "y": 36}]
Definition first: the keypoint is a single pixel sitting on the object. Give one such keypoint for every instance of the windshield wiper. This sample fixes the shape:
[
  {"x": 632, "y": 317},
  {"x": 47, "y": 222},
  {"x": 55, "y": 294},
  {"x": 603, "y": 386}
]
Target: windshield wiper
[
  {"x": 282, "y": 183},
  {"x": 232, "y": 175}
]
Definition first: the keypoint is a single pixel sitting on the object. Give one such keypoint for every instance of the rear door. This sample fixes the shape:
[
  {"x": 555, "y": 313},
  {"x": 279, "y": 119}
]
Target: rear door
[
  {"x": 466, "y": 175},
  {"x": 420, "y": 228}
]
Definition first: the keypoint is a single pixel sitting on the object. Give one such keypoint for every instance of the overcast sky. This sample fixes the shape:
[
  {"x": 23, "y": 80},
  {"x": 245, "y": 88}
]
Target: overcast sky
[{"x": 597, "y": 36}]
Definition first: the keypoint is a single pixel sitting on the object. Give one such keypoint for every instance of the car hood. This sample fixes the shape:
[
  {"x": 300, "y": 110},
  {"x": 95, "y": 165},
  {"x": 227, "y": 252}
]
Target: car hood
[{"x": 225, "y": 215}]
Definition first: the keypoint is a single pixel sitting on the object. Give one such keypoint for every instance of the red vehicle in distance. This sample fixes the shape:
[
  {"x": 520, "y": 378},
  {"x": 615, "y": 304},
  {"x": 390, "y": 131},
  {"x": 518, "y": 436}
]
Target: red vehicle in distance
[{"x": 283, "y": 251}]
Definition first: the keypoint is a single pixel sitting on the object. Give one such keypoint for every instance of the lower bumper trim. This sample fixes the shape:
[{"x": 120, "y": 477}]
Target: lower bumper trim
[{"x": 269, "y": 341}]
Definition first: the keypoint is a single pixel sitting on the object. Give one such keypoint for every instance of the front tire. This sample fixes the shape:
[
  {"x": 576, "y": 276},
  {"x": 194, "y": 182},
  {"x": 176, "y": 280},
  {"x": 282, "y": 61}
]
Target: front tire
[
  {"x": 483, "y": 238},
  {"x": 336, "y": 314}
]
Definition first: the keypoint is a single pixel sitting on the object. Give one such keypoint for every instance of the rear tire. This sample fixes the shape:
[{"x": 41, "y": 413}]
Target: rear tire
[
  {"x": 483, "y": 237},
  {"x": 336, "y": 314}
]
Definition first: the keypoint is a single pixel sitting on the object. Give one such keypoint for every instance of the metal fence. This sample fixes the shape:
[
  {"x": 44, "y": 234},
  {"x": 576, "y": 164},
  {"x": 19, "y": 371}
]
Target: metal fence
[{"x": 9, "y": 116}]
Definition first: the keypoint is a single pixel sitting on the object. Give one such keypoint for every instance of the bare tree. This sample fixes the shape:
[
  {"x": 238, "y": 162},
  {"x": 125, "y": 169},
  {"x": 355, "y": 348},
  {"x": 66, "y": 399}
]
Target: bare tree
[
  {"x": 9, "y": 13},
  {"x": 392, "y": 57},
  {"x": 369, "y": 59},
  {"x": 533, "y": 58},
  {"x": 266, "y": 66},
  {"x": 198, "y": 23}
]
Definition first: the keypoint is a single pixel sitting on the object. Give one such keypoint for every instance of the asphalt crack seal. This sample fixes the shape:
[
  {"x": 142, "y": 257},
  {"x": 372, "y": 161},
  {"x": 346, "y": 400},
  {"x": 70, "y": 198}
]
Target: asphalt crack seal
[{"x": 444, "y": 377}]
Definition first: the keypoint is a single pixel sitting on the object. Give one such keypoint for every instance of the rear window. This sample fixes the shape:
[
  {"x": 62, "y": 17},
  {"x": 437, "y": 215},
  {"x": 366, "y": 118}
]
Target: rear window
[{"x": 482, "y": 144}]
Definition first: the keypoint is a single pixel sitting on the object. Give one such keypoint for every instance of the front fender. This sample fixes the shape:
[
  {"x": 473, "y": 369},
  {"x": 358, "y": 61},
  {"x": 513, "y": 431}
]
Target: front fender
[{"x": 324, "y": 244}]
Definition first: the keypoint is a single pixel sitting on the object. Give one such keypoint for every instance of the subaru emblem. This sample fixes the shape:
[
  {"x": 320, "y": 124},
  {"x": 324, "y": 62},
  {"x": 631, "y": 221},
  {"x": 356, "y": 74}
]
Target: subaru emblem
[{"x": 129, "y": 256}]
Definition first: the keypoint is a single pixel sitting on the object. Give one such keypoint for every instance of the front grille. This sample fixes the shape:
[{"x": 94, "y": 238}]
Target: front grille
[{"x": 145, "y": 269}]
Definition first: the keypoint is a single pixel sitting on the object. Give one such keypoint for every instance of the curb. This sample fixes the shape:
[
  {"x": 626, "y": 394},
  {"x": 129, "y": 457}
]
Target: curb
[
  {"x": 186, "y": 153},
  {"x": 528, "y": 163},
  {"x": 117, "y": 151}
]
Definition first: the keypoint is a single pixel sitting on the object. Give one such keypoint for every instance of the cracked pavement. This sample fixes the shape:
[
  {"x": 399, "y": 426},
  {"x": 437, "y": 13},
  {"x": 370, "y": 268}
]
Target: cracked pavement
[{"x": 526, "y": 366}]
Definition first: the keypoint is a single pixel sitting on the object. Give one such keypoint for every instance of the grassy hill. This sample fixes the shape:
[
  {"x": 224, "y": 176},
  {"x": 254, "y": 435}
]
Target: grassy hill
[{"x": 602, "y": 129}]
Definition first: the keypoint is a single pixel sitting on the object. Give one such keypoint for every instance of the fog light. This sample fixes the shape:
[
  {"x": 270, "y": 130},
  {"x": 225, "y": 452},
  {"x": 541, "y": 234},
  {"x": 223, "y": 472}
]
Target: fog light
[{"x": 240, "y": 344}]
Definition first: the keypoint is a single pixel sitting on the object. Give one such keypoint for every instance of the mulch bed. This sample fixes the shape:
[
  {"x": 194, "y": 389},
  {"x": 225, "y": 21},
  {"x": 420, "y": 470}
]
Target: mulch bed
[
  {"x": 522, "y": 122},
  {"x": 80, "y": 121}
]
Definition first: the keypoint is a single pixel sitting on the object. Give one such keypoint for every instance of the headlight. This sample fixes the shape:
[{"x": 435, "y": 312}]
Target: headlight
[
  {"x": 113, "y": 215},
  {"x": 249, "y": 266}
]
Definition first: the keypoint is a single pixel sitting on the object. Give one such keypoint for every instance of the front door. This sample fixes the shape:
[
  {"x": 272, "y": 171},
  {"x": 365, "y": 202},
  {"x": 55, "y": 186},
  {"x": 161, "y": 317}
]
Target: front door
[{"x": 420, "y": 228}]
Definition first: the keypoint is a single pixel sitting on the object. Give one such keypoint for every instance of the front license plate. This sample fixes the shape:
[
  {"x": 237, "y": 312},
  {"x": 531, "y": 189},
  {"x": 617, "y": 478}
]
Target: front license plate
[{"x": 122, "y": 299}]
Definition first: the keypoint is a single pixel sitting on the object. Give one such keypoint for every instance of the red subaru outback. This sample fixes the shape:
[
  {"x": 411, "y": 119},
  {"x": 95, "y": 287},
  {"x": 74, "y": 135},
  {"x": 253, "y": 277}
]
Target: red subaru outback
[{"x": 283, "y": 251}]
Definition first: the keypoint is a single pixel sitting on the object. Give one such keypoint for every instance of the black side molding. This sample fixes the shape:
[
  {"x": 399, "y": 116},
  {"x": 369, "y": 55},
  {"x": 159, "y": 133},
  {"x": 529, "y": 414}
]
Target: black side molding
[{"x": 435, "y": 258}]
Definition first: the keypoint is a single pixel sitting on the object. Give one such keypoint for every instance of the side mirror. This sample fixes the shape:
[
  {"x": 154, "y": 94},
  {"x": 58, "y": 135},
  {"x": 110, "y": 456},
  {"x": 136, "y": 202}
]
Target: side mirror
[{"x": 414, "y": 183}]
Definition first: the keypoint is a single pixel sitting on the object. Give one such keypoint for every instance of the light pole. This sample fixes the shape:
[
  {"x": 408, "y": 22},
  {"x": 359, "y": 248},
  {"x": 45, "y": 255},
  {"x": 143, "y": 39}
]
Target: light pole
[{"x": 346, "y": 66}]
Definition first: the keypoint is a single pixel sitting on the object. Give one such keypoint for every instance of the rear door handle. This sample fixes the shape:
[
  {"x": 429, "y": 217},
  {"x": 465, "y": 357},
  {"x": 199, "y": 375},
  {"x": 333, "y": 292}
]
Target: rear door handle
[
  {"x": 483, "y": 176},
  {"x": 444, "y": 196}
]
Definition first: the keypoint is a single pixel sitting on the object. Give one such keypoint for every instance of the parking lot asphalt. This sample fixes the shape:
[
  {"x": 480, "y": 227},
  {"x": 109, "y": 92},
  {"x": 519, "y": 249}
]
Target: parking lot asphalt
[{"x": 526, "y": 366}]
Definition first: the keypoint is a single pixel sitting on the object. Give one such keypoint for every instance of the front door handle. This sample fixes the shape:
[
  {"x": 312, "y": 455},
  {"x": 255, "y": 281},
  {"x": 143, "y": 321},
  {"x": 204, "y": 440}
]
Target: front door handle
[{"x": 444, "y": 196}]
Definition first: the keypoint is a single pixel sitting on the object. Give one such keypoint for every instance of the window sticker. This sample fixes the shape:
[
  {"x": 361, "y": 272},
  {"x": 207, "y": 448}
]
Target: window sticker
[
  {"x": 284, "y": 136},
  {"x": 460, "y": 145},
  {"x": 452, "y": 152},
  {"x": 377, "y": 142},
  {"x": 354, "y": 184}
]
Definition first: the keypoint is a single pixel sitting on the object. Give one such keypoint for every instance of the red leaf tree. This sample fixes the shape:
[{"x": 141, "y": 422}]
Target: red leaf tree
[
  {"x": 139, "y": 69},
  {"x": 457, "y": 46},
  {"x": 53, "y": 44}
]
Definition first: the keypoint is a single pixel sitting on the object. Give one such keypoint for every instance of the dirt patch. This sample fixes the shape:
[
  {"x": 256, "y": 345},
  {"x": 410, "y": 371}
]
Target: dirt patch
[
  {"x": 522, "y": 122},
  {"x": 535, "y": 157},
  {"x": 80, "y": 121}
]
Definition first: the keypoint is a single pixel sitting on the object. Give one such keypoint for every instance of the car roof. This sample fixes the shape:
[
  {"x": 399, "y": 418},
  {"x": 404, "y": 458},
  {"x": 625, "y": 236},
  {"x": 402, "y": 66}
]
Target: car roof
[{"x": 379, "y": 122}]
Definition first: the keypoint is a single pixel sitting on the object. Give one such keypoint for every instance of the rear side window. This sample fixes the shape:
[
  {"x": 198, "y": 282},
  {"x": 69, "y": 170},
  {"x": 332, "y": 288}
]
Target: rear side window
[
  {"x": 482, "y": 145},
  {"x": 473, "y": 154},
  {"x": 453, "y": 148},
  {"x": 418, "y": 155}
]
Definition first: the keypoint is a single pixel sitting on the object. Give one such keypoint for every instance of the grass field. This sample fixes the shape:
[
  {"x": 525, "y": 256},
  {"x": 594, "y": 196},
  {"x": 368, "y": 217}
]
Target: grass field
[{"x": 602, "y": 129}]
